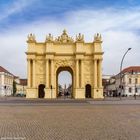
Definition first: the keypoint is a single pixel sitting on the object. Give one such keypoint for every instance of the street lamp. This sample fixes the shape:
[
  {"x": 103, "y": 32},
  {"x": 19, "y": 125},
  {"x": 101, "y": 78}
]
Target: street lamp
[
  {"x": 5, "y": 90},
  {"x": 121, "y": 70}
]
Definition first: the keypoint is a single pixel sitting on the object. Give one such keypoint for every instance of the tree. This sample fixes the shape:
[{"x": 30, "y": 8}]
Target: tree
[{"x": 14, "y": 88}]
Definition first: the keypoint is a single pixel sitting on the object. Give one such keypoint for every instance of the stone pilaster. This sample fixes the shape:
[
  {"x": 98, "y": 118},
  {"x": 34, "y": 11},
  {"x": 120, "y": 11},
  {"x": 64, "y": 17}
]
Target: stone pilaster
[
  {"x": 52, "y": 72},
  {"x": 82, "y": 74},
  {"x": 47, "y": 73},
  {"x": 34, "y": 73},
  {"x": 29, "y": 72},
  {"x": 95, "y": 73},
  {"x": 100, "y": 73},
  {"x": 77, "y": 73}
]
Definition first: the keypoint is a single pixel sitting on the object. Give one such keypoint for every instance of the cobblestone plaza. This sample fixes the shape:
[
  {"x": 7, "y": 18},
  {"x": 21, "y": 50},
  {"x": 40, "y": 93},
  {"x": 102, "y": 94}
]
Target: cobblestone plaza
[{"x": 72, "y": 121}]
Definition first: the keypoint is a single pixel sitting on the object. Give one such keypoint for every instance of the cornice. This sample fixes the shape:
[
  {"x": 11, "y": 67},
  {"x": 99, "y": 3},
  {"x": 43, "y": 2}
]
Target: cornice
[{"x": 98, "y": 53}]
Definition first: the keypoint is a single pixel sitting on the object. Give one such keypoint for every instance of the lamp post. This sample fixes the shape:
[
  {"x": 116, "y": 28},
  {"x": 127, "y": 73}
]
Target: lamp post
[
  {"x": 5, "y": 90},
  {"x": 121, "y": 70}
]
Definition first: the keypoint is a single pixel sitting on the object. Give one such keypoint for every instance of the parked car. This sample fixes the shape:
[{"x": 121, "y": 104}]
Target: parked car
[{"x": 20, "y": 95}]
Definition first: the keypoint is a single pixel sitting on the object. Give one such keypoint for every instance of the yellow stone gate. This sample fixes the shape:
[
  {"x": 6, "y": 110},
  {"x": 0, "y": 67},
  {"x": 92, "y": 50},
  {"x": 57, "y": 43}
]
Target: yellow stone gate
[{"x": 47, "y": 59}]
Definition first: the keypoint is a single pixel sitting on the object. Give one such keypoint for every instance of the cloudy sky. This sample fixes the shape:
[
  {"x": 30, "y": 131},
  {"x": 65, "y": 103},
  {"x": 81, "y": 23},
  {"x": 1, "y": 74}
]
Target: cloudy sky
[{"x": 118, "y": 22}]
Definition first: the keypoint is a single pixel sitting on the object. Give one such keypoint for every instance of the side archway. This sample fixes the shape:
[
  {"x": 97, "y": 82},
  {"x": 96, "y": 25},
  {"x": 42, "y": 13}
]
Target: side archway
[
  {"x": 88, "y": 91},
  {"x": 41, "y": 92}
]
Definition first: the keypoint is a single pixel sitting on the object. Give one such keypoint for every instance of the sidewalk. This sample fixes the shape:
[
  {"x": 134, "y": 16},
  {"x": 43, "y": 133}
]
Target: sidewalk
[{"x": 68, "y": 101}]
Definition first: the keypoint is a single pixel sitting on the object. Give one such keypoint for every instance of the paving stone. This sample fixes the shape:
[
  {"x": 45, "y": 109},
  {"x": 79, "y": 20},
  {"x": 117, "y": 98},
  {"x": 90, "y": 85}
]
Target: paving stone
[{"x": 86, "y": 122}]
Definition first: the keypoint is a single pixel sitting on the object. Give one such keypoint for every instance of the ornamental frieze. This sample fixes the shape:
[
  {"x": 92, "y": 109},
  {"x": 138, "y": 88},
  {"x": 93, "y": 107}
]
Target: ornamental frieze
[{"x": 64, "y": 63}]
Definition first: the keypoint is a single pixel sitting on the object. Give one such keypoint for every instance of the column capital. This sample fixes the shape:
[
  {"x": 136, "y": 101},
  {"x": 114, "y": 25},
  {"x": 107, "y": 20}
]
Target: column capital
[
  {"x": 34, "y": 59},
  {"x": 94, "y": 59},
  {"x": 28, "y": 59},
  {"x": 47, "y": 60},
  {"x": 100, "y": 59},
  {"x": 77, "y": 59}
]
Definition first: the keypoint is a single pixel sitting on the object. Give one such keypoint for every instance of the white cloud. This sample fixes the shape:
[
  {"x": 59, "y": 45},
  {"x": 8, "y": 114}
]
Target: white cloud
[
  {"x": 119, "y": 29},
  {"x": 15, "y": 7}
]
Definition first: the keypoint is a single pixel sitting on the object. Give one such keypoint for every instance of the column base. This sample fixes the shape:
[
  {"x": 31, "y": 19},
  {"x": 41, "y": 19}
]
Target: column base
[
  {"x": 79, "y": 93},
  {"x": 97, "y": 93},
  {"x": 32, "y": 93},
  {"x": 50, "y": 93}
]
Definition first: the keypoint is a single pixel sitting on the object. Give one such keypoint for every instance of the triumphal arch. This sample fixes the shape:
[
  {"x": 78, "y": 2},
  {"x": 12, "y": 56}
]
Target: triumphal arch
[{"x": 47, "y": 59}]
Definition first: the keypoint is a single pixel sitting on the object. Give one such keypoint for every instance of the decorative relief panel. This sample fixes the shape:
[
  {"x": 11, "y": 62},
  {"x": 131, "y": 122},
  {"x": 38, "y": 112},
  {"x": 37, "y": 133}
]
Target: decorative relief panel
[
  {"x": 88, "y": 72},
  {"x": 40, "y": 67},
  {"x": 88, "y": 67},
  {"x": 64, "y": 63}
]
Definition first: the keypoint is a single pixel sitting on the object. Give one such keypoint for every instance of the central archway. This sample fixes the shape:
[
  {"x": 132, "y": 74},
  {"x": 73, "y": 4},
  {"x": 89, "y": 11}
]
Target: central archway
[{"x": 64, "y": 91}]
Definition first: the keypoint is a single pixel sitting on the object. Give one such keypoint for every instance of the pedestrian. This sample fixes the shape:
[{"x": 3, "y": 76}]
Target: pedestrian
[
  {"x": 135, "y": 96},
  {"x": 120, "y": 95},
  {"x": 67, "y": 94}
]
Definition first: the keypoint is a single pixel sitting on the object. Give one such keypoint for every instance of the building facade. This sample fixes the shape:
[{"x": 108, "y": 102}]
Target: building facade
[
  {"x": 130, "y": 84},
  {"x": 47, "y": 59},
  {"x": 6, "y": 82},
  {"x": 105, "y": 83},
  {"x": 21, "y": 85}
]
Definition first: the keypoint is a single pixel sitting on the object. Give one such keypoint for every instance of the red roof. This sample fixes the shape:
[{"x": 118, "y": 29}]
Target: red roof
[
  {"x": 23, "y": 82},
  {"x": 131, "y": 69},
  {"x": 4, "y": 70}
]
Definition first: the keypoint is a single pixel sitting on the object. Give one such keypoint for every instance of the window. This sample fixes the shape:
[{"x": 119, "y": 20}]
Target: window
[
  {"x": 130, "y": 90},
  {"x": 136, "y": 81},
  {"x": 136, "y": 90},
  {"x": 129, "y": 80}
]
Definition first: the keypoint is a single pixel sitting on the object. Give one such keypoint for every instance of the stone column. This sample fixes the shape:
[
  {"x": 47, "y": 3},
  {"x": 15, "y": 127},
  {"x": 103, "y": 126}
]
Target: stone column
[
  {"x": 34, "y": 73},
  {"x": 99, "y": 73},
  {"x": 52, "y": 73},
  {"x": 77, "y": 73},
  {"x": 29, "y": 72},
  {"x": 47, "y": 73},
  {"x": 82, "y": 74},
  {"x": 95, "y": 73}
]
